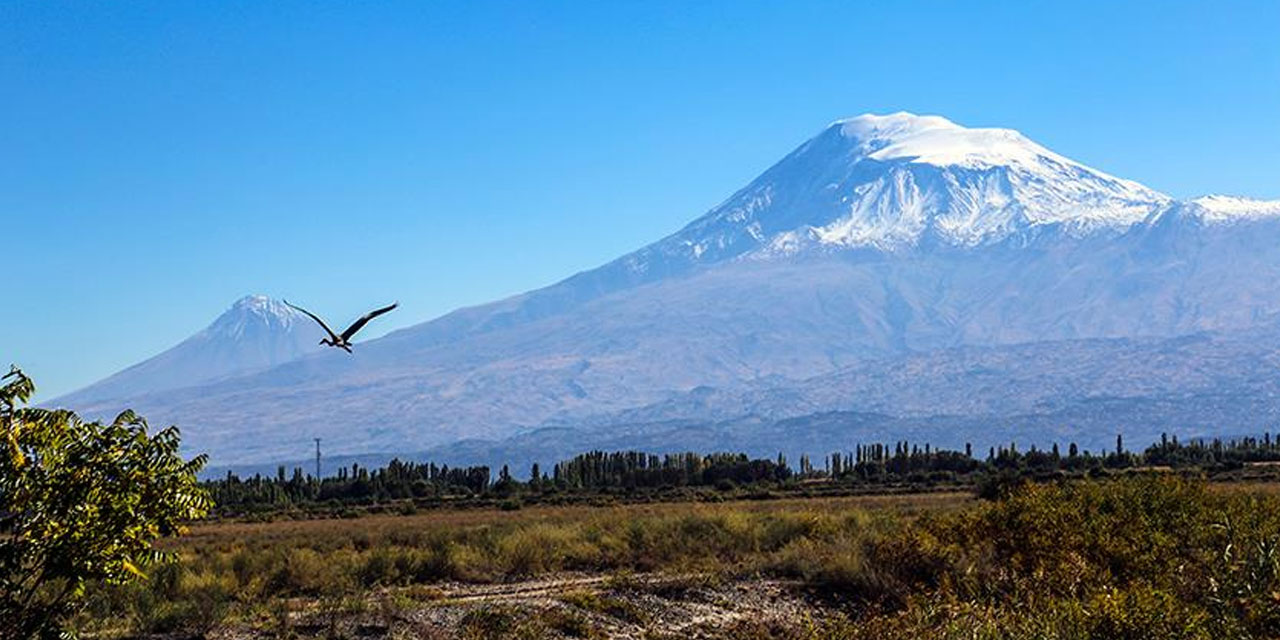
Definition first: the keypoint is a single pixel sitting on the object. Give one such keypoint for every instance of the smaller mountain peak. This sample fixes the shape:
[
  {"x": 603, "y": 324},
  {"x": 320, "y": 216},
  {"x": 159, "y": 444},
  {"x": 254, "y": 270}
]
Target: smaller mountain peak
[
  {"x": 263, "y": 306},
  {"x": 254, "y": 301}
]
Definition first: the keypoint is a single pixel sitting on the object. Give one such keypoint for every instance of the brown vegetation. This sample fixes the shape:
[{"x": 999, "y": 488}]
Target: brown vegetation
[{"x": 1137, "y": 557}]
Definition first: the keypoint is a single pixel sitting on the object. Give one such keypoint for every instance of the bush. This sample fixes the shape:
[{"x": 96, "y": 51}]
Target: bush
[
  {"x": 606, "y": 605},
  {"x": 83, "y": 505}
]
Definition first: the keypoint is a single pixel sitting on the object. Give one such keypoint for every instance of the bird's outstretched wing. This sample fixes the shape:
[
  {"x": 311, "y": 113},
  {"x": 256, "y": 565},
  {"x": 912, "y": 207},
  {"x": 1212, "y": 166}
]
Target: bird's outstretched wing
[
  {"x": 332, "y": 336},
  {"x": 359, "y": 324}
]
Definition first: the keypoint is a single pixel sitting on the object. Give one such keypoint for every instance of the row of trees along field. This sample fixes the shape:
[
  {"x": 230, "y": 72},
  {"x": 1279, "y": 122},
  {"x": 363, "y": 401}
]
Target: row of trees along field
[{"x": 872, "y": 464}]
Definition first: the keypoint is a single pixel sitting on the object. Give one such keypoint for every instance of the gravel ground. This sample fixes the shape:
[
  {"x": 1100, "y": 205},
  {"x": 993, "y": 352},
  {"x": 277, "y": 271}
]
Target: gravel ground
[{"x": 688, "y": 607}]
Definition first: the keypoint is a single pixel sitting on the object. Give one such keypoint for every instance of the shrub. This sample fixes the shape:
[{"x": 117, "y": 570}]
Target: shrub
[
  {"x": 81, "y": 506},
  {"x": 606, "y": 605}
]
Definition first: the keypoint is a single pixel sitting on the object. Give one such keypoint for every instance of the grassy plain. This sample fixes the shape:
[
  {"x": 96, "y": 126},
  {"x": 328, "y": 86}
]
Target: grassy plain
[{"x": 1140, "y": 557}]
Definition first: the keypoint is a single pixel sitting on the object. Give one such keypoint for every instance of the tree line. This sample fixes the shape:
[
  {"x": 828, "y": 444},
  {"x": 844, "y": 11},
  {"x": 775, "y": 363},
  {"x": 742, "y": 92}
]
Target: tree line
[{"x": 902, "y": 462}]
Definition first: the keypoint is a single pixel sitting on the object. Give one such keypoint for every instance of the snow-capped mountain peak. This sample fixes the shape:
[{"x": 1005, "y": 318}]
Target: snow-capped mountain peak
[
  {"x": 935, "y": 140},
  {"x": 255, "y": 333},
  {"x": 938, "y": 141},
  {"x": 259, "y": 303},
  {"x": 253, "y": 312},
  {"x": 901, "y": 182}
]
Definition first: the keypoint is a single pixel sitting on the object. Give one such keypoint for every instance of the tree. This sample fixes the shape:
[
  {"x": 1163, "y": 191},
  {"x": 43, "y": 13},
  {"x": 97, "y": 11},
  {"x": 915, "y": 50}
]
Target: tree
[{"x": 81, "y": 503}]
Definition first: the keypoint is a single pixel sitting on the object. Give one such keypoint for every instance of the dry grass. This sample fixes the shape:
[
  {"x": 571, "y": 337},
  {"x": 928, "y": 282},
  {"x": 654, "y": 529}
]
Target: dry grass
[
  {"x": 236, "y": 571},
  {"x": 391, "y": 525},
  {"x": 1254, "y": 487},
  {"x": 1135, "y": 557}
]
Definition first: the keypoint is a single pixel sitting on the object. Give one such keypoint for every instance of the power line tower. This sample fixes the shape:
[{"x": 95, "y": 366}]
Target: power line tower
[{"x": 317, "y": 459}]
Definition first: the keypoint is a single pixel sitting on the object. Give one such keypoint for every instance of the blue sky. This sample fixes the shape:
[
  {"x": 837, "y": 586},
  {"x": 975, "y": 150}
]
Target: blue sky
[{"x": 160, "y": 160}]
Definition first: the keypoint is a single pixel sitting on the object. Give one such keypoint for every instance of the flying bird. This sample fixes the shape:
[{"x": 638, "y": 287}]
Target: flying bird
[{"x": 344, "y": 341}]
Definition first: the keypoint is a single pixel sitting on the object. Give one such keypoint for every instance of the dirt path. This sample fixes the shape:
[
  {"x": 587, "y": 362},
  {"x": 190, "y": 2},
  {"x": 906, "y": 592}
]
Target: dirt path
[
  {"x": 638, "y": 606},
  {"x": 630, "y": 607},
  {"x": 520, "y": 591}
]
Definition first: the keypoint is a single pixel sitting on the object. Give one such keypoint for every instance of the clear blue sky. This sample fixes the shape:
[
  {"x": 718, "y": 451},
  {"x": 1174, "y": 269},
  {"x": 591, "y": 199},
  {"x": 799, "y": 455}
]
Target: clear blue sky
[{"x": 159, "y": 160}]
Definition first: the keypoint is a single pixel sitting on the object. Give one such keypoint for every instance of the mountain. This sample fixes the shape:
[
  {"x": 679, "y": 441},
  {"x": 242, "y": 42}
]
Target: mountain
[
  {"x": 882, "y": 238},
  {"x": 902, "y": 181},
  {"x": 255, "y": 333}
]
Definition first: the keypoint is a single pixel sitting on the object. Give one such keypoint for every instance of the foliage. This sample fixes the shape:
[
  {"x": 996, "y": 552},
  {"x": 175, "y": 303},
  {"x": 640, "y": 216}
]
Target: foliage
[
  {"x": 81, "y": 503},
  {"x": 397, "y": 481},
  {"x": 1135, "y": 557},
  {"x": 636, "y": 476}
]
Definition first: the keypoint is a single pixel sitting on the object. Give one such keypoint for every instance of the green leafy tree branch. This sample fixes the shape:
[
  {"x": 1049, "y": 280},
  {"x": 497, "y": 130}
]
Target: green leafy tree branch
[{"x": 81, "y": 503}]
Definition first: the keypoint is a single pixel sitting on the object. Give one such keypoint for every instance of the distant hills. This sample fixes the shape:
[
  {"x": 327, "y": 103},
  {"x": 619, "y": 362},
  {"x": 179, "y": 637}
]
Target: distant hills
[{"x": 894, "y": 276}]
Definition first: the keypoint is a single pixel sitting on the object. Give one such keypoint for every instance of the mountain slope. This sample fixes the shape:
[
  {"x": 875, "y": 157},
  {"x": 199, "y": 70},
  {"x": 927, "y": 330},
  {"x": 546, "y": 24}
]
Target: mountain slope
[{"x": 882, "y": 236}]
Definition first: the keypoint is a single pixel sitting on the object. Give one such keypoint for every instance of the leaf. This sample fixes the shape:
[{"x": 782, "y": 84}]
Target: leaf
[
  {"x": 15, "y": 449},
  {"x": 129, "y": 566}
]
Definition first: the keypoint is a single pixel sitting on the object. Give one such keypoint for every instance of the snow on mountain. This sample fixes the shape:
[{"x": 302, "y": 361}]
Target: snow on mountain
[
  {"x": 1017, "y": 177},
  {"x": 902, "y": 182},
  {"x": 1219, "y": 208},
  {"x": 882, "y": 236},
  {"x": 252, "y": 314},
  {"x": 938, "y": 141},
  {"x": 255, "y": 333}
]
